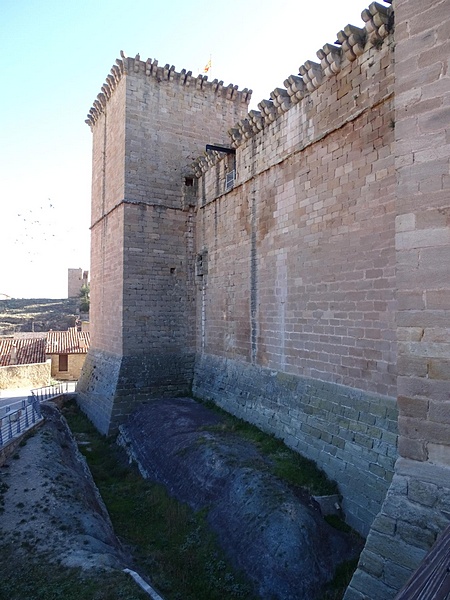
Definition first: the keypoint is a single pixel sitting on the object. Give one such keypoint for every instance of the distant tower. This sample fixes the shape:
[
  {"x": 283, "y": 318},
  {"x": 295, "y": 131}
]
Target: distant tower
[
  {"x": 76, "y": 278},
  {"x": 149, "y": 124}
]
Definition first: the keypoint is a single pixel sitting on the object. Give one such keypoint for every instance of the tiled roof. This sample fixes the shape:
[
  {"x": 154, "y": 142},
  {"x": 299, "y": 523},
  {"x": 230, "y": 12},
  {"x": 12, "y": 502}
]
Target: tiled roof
[
  {"x": 28, "y": 351},
  {"x": 68, "y": 342},
  {"x": 33, "y": 348}
]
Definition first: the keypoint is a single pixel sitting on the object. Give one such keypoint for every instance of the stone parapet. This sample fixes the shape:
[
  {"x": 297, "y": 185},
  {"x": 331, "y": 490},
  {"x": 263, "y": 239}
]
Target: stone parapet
[
  {"x": 151, "y": 68},
  {"x": 319, "y": 101}
]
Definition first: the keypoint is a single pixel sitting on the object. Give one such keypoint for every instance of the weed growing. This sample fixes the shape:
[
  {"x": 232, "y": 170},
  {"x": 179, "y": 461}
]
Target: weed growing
[
  {"x": 22, "y": 577},
  {"x": 287, "y": 464}
]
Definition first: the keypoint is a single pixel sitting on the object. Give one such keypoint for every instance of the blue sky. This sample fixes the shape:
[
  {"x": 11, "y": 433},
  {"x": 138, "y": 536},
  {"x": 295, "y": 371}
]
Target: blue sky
[{"x": 55, "y": 56}]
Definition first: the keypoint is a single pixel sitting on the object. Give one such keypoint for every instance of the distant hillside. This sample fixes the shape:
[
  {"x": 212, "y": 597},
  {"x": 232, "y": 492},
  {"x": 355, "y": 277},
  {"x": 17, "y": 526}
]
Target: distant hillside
[{"x": 37, "y": 314}]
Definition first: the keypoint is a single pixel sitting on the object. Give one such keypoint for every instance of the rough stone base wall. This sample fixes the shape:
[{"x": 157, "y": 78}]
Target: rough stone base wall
[
  {"x": 415, "y": 512},
  {"x": 350, "y": 434},
  {"x": 22, "y": 376},
  {"x": 110, "y": 386}
]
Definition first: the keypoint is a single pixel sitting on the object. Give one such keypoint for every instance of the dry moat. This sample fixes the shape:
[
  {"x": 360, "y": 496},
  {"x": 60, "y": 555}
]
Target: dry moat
[{"x": 230, "y": 527}]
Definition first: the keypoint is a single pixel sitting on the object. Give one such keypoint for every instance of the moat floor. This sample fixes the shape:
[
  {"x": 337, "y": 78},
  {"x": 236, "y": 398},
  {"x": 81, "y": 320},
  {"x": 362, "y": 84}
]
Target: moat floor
[{"x": 272, "y": 532}]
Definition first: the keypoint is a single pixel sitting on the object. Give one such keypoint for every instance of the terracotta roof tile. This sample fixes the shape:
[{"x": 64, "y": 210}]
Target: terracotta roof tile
[
  {"x": 68, "y": 342},
  {"x": 33, "y": 348},
  {"x": 28, "y": 351}
]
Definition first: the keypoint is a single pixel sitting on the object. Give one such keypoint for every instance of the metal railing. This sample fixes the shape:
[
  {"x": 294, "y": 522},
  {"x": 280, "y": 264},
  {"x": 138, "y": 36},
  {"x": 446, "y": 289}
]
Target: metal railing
[
  {"x": 21, "y": 415},
  {"x": 51, "y": 391},
  {"x": 15, "y": 422}
]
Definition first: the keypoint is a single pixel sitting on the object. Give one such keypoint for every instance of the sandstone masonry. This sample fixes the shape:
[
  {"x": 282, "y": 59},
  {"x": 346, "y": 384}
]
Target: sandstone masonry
[{"x": 299, "y": 275}]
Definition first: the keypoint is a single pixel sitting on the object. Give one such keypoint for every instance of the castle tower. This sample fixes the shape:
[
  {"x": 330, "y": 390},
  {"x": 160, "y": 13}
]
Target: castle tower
[
  {"x": 149, "y": 124},
  {"x": 76, "y": 278}
]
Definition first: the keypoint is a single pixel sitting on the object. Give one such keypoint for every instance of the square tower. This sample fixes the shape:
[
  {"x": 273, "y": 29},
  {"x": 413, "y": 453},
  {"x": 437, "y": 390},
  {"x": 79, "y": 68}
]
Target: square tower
[{"x": 149, "y": 124}]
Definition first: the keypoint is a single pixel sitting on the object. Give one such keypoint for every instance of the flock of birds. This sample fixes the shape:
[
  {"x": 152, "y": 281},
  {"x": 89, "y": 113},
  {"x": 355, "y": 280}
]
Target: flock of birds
[
  {"x": 39, "y": 231},
  {"x": 38, "y": 243},
  {"x": 36, "y": 229}
]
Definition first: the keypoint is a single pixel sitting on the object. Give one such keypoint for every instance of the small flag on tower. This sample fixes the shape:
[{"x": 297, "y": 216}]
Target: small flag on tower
[{"x": 207, "y": 66}]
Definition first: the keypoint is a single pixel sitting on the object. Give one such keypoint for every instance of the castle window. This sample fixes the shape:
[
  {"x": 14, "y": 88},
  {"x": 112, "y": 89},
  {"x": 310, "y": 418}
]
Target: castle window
[
  {"x": 188, "y": 181},
  {"x": 201, "y": 264},
  {"x": 229, "y": 180}
]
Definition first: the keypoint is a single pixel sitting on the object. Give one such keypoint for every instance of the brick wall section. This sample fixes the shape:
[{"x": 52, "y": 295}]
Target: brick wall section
[
  {"x": 417, "y": 507},
  {"x": 423, "y": 231},
  {"x": 107, "y": 225},
  {"x": 146, "y": 135},
  {"x": 307, "y": 204}
]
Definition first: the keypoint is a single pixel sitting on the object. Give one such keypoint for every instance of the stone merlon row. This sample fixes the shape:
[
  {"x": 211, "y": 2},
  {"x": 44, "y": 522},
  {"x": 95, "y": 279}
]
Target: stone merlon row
[
  {"x": 351, "y": 42},
  {"x": 150, "y": 68}
]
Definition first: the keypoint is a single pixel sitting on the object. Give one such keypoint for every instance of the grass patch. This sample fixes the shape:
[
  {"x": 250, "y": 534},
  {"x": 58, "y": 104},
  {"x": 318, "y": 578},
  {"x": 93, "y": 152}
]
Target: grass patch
[
  {"x": 287, "y": 464},
  {"x": 169, "y": 542},
  {"x": 336, "y": 588},
  {"x": 22, "y": 578}
]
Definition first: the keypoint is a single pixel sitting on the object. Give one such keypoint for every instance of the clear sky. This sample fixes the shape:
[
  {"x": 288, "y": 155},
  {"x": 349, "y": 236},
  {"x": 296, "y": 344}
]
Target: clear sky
[{"x": 56, "y": 55}]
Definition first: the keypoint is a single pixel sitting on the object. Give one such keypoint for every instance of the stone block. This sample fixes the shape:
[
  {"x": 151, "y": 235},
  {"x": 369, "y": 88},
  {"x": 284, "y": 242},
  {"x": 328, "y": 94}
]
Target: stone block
[
  {"x": 384, "y": 524},
  {"x": 413, "y": 407},
  {"x": 371, "y": 563},
  {"x": 418, "y": 537},
  {"x": 395, "y": 576},
  {"x": 422, "y": 492},
  {"x": 372, "y": 588},
  {"x": 439, "y": 369}
]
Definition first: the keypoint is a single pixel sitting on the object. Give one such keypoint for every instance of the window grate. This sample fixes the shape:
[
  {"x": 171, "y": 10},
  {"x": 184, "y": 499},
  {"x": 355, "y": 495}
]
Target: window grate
[{"x": 229, "y": 180}]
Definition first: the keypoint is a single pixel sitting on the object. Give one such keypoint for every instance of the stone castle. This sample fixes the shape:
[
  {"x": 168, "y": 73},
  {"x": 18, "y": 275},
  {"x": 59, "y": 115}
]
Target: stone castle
[{"x": 292, "y": 264}]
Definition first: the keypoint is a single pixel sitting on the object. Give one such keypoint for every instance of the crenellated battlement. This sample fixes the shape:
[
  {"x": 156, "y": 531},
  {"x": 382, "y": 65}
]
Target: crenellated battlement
[
  {"x": 352, "y": 42},
  {"x": 151, "y": 68}
]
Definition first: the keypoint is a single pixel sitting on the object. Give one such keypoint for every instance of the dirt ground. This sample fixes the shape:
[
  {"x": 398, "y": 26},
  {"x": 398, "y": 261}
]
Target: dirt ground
[{"x": 51, "y": 505}]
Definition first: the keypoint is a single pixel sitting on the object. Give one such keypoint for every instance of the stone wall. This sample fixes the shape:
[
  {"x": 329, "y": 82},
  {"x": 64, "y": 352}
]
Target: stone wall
[
  {"x": 298, "y": 280},
  {"x": 417, "y": 507},
  {"x": 352, "y": 435},
  {"x": 76, "y": 278},
  {"x": 25, "y": 376},
  {"x": 311, "y": 251}
]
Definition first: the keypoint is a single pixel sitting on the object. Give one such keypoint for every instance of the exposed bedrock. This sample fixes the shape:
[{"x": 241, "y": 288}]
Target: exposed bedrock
[{"x": 277, "y": 536}]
